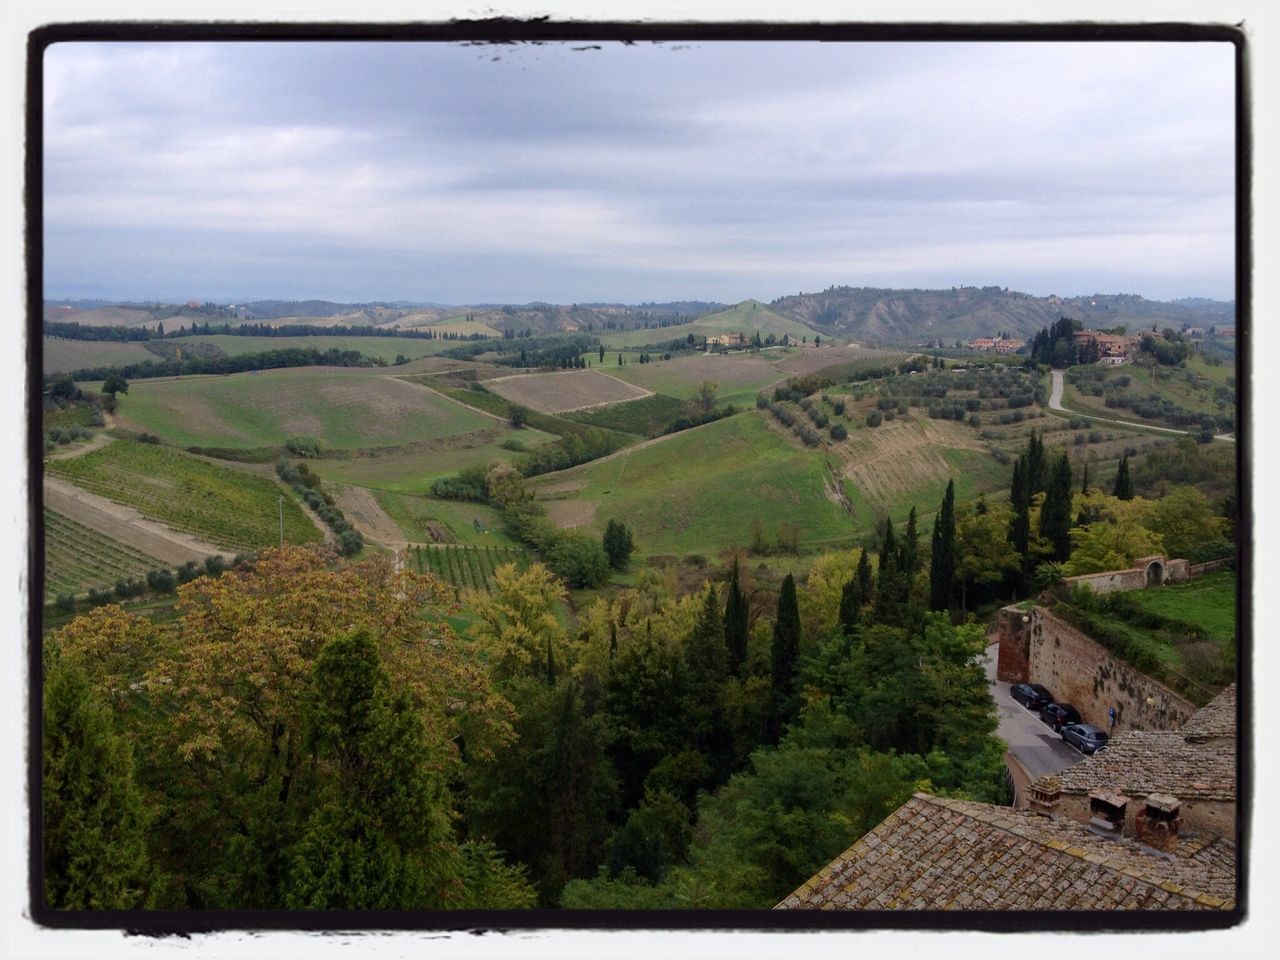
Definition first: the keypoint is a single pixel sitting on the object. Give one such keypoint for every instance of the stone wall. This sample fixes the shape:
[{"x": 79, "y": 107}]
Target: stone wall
[
  {"x": 1013, "y": 659},
  {"x": 1199, "y": 569},
  {"x": 1110, "y": 581},
  {"x": 1080, "y": 671}
]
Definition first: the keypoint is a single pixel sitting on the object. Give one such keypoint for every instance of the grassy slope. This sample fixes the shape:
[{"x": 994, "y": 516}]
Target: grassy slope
[
  {"x": 63, "y": 356},
  {"x": 1169, "y": 383},
  {"x": 699, "y": 491},
  {"x": 345, "y": 409},
  {"x": 411, "y": 512},
  {"x": 740, "y": 375},
  {"x": 1208, "y": 601},
  {"x": 228, "y": 507},
  {"x": 746, "y": 318},
  {"x": 645, "y": 417},
  {"x": 383, "y": 347}
]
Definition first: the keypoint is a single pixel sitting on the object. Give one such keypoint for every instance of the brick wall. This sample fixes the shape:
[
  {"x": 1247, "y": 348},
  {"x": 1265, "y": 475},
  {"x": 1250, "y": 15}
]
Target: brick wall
[
  {"x": 1080, "y": 671},
  {"x": 1013, "y": 659}
]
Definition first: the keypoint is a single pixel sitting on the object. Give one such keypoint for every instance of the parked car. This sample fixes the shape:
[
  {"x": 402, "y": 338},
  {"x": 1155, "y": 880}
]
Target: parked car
[
  {"x": 1085, "y": 737},
  {"x": 1058, "y": 715},
  {"x": 1031, "y": 695}
]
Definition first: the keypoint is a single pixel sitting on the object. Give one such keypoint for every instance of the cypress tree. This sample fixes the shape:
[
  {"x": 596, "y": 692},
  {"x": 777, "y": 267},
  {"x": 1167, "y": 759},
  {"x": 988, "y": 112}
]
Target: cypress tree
[
  {"x": 1055, "y": 515},
  {"x": 551, "y": 665},
  {"x": 735, "y": 624},
  {"x": 1035, "y": 465},
  {"x": 705, "y": 653},
  {"x": 1020, "y": 497},
  {"x": 1124, "y": 486},
  {"x": 942, "y": 556},
  {"x": 1084, "y": 483},
  {"x": 866, "y": 583},
  {"x": 786, "y": 649},
  {"x": 850, "y": 606},
  {"x": 909, "y": 557},
  {"x": 613, "y": 640},
  {"x": 889, "y": 579}
]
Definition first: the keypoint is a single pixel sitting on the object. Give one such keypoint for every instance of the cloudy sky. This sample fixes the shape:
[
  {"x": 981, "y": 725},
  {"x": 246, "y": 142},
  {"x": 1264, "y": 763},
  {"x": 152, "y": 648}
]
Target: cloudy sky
[{"x": 434, "y": 172}]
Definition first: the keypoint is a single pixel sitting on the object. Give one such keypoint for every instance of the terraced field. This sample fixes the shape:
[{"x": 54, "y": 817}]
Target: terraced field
[
  {"x": 840, "y": 362},
  {"x": 77, "y": 559},
  {"x": 562, "y": 392},
  {"x": 467, "y": 568},
  {"x": 345, "y": 409},
  {"x": 228, "y": 507}
]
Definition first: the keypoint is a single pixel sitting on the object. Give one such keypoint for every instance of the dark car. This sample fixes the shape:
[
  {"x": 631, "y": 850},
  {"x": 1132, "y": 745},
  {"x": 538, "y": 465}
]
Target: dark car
[
  {"x": 1058, "y": 715},
  {"x": 1031, "y": 695},
  {"x": 1085, "y": 737}
]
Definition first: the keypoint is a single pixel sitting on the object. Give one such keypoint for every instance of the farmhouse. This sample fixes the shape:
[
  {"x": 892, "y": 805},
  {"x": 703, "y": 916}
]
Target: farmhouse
[
  {"x": 1112, "y": 348},
  {"x": 998, "y": 344}
]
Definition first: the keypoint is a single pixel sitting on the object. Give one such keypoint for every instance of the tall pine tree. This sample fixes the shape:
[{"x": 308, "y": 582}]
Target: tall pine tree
[
  {"x": 705, "y": 651},
  {"x": 735, "y": 624},
  {"x": 786, "y": 650},
  {"x": 909, "y": 552},
  {"x": 942, "y": 556},
  {"x": 1055, "y": 515},
  {"x": 1036, "y": 466},
  {"x": 1020, "y": 498}
]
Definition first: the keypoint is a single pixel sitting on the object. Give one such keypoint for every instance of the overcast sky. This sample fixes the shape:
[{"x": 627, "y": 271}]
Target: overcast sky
[{"x": 709, "y": 171}]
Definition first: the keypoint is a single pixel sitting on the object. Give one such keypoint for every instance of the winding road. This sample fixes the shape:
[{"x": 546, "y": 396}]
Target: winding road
[{"x": 1055, "y": 403}]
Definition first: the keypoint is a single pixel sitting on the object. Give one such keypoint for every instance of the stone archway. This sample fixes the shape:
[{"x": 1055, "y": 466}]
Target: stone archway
[{"x": 1155, "y": 573}]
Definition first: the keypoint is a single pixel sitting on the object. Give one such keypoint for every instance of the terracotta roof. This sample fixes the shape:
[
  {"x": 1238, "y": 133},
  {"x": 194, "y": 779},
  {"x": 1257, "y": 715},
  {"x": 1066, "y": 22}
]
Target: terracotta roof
[
  {"x": 934, "y": 853},
  {"x": 1215, "y": 719},
  {"x": 1156, "y": 761}
]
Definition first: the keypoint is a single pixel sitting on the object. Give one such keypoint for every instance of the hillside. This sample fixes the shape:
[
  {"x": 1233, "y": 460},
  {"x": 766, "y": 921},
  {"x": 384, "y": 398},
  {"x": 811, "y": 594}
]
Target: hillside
[{"x": 876, "y": 315}]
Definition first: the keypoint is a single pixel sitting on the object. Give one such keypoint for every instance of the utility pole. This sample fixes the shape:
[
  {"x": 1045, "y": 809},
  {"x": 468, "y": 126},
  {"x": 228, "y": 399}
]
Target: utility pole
[{"x": 280, "y": 502}]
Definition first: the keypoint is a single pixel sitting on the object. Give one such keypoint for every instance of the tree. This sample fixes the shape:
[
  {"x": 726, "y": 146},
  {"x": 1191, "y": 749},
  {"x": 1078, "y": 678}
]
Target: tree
[
  {"x": 705, "y": 399},
  {"x": 705, "y": 653},
  {"x": 1037, "y": 465},
  {"x": 736, "y": 625},
  {"x": 374, "y": 840},
  {"x": 1055, "y": 514},
  {"x": 578, "y": 559},
  {"x": 1020, "y": 499},
  {"x": 909, "y": 561},
  {"x": 1084, "y": 481},
  {"x": 94, "y": 821},
  {"x": 785, "y": 651},
  {"x": 1186, "y": 520},
  {"x": 114, "y": 383},
  {"x": 984, "y": 554},
  {"x": 618, "y": 544},
  {"x": 517, "y": 416},
  {"x": 1123, "y": 489},
  {"x": 516, "y": 619},
  {"x": 602, "y": 353},
  {"x": 942, "y": 555}
]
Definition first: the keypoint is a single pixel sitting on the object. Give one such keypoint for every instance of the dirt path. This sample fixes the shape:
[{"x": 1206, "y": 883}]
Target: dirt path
[
  {"x": 97, "y": 442},
  {"x": 1055, "y": 403},
  {"x": 126, "y": 524},
  {"x": 367, "y": 516}
]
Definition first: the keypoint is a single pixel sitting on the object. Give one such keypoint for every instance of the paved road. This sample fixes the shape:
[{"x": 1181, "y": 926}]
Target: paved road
[
  {"x": 1036, "y": 747},
  {"x": 1055, "y": 403}
]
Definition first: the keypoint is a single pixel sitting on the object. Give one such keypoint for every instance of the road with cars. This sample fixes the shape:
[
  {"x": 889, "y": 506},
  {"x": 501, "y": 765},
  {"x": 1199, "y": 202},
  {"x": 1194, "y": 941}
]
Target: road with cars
[{"x": 1035, "y": 746}]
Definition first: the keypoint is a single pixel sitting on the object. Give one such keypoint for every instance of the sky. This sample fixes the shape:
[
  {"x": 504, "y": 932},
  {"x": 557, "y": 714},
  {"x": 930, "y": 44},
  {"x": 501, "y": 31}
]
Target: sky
[{"x": 712, "y": 171}]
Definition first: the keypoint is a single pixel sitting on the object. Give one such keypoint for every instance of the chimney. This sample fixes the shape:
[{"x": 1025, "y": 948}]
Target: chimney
[
  {"x": 1158, "y": 821},
  {"x": 1045, "y": 794},
  {"x": 1106, "y": 813}
]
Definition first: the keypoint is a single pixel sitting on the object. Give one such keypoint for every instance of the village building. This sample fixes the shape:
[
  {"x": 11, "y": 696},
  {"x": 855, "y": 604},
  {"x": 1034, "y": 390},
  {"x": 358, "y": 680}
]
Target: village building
[
  {"x": 998, "y": 344},
  {"x": 1113, "y": 348},
  {"x": 936, "y": 853},
  {"x": 1145, "y": 824}
]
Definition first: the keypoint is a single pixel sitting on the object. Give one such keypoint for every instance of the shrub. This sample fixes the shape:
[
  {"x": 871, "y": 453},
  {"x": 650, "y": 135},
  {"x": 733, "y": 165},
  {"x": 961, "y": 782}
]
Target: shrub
[
  {"x": 838, "y": 432},
  {"x": 303, "y": 446},
  {"x": 874, "y": 418},
  {"x": 161, "y": 581}
]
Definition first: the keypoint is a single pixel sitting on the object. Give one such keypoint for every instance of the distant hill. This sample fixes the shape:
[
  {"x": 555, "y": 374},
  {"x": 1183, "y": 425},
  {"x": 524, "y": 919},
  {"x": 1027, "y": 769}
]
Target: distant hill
[{"x": 875, "y": 315}]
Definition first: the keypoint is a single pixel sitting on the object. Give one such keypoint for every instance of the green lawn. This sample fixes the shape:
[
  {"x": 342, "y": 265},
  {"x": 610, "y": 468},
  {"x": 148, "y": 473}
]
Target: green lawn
[
  {"x": 228, "y": 507},
  {"x": 345, "y": 409},
  {"x": 1208, "y": 602},
  {"x": 700, "y": 491}
]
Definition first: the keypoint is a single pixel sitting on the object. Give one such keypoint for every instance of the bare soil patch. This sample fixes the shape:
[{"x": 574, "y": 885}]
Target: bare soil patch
[
  {"x": 562, "y": 392},
  {"x": 571, "y": 513},
  {"x": 367, "y": 516}
]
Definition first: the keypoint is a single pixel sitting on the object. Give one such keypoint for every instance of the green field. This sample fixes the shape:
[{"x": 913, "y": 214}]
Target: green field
[
  {"x": 1208, "y": 602},
  {"x": 1199, "y": 387},
  {"x": 345, "y": 409},
  {"x": 228, "y": 507},
  {"x": 746, "y": 318},
  {"x": 474, "y": 524},
  {"x": 699, "y": 491},
  {"x": 76, "y": 415},
  {"x": 466, "y": 568},
  {"x": 740, "y": 375},
  {"x": 384, "y": 348},
  {"x": 77, "y": 559},
  {"x": 414, "y": 471},
  {"x": 63, "y": 356},
  {"x": 646, "y": 417}
]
